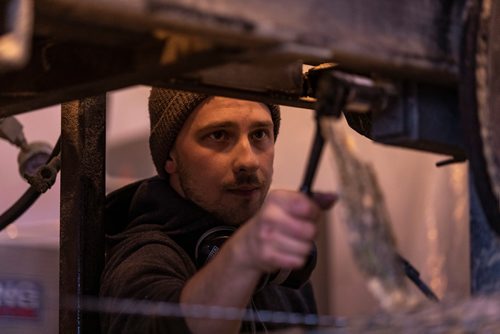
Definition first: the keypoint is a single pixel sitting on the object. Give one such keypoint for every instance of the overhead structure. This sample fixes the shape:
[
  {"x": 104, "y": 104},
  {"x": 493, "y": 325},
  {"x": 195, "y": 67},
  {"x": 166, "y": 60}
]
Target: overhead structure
[{"x": 440, "y": 56}]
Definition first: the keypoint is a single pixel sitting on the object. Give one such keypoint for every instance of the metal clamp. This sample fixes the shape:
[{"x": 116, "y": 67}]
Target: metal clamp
[{"x": 335, "y": 92}]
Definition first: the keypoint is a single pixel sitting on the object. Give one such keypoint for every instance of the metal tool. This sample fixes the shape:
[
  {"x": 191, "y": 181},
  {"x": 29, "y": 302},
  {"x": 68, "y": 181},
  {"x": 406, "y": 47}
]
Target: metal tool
[{"x": 337, "y": 92}]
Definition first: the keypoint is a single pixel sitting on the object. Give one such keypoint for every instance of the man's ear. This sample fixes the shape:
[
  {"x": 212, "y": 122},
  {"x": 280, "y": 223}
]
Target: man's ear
[{"x": 170, "y": 165}]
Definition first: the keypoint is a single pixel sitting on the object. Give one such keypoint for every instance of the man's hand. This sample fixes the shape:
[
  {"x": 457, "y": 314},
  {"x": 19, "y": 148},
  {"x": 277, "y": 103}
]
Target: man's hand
[{"x": 281, "y": 235}]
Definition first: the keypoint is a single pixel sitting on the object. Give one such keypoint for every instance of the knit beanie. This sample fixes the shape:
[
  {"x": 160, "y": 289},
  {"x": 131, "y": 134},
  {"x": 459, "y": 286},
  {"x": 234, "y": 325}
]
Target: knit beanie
[{"x": 168, "y": 110}]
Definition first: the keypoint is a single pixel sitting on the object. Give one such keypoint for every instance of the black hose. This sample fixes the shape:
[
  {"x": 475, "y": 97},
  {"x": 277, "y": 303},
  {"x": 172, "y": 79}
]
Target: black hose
[{"x": 27, "y": 199}]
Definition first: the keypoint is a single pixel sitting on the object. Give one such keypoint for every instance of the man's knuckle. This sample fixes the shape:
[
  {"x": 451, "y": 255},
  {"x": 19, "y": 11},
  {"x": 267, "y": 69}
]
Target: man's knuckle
[
  {"x": 266, "y": 255},
  {"x": 295, "y": 262},
  {"x": 309, "y": 230}
]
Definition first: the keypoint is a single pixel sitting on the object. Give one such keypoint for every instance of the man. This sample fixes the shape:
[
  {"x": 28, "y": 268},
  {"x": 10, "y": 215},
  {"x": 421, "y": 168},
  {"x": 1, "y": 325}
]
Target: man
[{"x": 214, "y": 158}]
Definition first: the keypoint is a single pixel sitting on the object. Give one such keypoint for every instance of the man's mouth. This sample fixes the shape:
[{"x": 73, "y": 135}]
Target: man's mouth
[{"x": 245, "y": 191}]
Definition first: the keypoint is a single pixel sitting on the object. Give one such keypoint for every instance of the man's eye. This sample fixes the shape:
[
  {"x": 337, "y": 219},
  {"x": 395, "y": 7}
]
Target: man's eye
[
  {"x": 218, "y": 135},
  {"x": 260, "y": 134}
]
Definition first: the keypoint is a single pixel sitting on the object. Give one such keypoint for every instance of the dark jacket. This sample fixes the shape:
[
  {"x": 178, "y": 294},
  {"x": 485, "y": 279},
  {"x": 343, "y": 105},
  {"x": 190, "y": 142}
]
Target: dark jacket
[{"x": 151, "y": 236}]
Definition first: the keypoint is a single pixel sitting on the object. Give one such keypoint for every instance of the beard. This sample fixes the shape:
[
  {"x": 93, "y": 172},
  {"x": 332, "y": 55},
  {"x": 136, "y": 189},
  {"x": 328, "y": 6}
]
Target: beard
[{"x": 231, "y": 211}]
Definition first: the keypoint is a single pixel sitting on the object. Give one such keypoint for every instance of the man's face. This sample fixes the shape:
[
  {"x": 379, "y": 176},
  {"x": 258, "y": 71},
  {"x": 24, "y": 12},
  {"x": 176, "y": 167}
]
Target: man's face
[{"x": 222, "y": 159}]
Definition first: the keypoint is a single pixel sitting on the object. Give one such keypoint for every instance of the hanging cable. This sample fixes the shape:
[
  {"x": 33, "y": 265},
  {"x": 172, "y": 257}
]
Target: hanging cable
[{"x": 31, "y": 194}]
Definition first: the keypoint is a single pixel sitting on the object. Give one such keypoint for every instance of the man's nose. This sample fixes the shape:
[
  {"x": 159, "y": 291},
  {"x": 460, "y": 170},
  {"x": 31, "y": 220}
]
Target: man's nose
[{"x": 245, "y": 157}]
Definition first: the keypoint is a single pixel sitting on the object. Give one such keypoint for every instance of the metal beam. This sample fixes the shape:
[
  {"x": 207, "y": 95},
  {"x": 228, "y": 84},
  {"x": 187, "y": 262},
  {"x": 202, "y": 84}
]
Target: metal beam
[
  {"x": 64, "y": 71},
  {"x": 79, "y": 51},
  {"x": 82, "y": 211},
  {"x": 60, "y": 72},
  {"x": 420, "y": 39}
]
